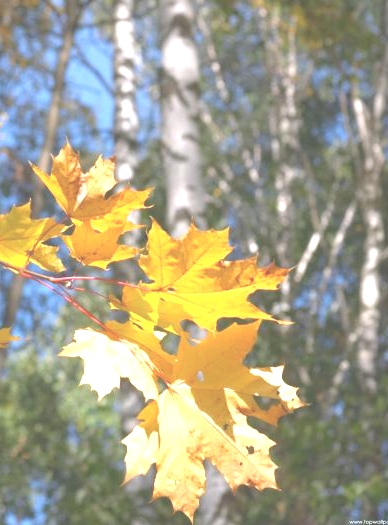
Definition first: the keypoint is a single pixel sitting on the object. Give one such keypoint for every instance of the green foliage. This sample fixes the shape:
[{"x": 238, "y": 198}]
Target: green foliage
[{"x": 55, "y": 444}]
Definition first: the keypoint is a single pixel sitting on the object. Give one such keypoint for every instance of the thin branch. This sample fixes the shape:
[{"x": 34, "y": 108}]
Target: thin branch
[
  {"x": 319, "y": 295},
  {"x": 316, "y": 237},
  {"x": 337, "y": 246},
  {"x": 355, "y": 152},
  {"x": 94, "y": 70}
]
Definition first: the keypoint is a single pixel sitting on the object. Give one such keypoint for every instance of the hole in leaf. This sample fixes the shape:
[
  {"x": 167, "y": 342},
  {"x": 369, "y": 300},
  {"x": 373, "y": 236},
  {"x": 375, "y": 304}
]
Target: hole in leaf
[
  {"x": 200, "y": 376},
  {"x": 170, "y": 343},
  {"x": 195, "y": 333}
]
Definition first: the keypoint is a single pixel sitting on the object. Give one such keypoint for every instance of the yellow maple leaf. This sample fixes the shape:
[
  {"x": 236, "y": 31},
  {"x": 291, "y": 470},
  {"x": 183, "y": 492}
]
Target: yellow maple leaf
[
  {"x": 170, "y": 261},
  {"x": 95, "y": 248},
  {"x": 106, "y": 360},
  {"x": 202, "y": 415},
  {"x": 191, "y": 280},
  {"x": 148, "y": 342},
  {"x": 22, "y": 238},
  {"x": 6, "y": 337},
  {"x": 83, "y": 195}
]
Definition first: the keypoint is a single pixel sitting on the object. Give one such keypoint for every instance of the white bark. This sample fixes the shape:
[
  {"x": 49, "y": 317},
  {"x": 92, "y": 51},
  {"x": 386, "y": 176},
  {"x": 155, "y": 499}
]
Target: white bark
[
  {"x": 284, "y": 128},
  {"x": 219, "y": 506},
  {"x": 369, "y": 127},
  {"x": 126, "y": 118},
  {"x": 314, "y": 241},
  {"x": 180, "y": 110},
  {"x": 183, "y": 166},
  {"x": 336, "y": 247},
  {"x": 126, "y": 124},
  {"x": 370, "y": 281}
]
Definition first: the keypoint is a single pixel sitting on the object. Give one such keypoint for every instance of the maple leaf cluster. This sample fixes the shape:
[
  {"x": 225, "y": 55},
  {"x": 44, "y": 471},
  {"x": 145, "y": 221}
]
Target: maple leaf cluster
[{"x": 197, "y": 400}]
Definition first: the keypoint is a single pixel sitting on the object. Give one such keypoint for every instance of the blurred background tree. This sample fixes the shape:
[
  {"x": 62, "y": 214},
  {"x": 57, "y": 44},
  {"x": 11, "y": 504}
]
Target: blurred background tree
[{"x": 283, "y": 107}]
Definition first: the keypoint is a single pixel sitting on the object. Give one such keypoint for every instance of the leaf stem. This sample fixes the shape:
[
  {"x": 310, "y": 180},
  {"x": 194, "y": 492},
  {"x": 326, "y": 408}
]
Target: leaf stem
[{"x": 49, "y": 281}]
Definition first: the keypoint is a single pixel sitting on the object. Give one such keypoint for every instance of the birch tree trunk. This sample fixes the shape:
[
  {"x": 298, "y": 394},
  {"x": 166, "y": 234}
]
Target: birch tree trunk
[
  {"x": 126, "y": 125},
  {"x": 180, "y": 112},
  {"x": 369, "y": 126},
  {"x": 182, "y": 164},
  {"x": 126, "y": 119},
  {"x": 73, "y": 11},
  {"x": 284, "y": 124}
]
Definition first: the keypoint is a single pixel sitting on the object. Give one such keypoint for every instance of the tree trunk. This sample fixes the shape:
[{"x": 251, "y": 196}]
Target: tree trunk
[
  {"x": 182, "y": 164},
  {"x": 369, "y": 127},
  {"x": 369, "y": 124},
  {"x": 73, "y": 13},
  {"x": 126, "y": 119},
  {"x": 284, "y": 128},
  {"x": 369, "y": 296},
  {"x": 180, "y": 110},
  {"x": 126, "y": 125}
]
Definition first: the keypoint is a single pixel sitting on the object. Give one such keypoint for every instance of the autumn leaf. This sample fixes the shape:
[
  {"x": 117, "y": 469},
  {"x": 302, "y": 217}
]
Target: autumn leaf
[
  {"x": 202, "y": 415},
  {"x": 106, "y": 360},
  {"x": 93, "y": 248},
  {"x": 22, "y": 238},
  {"x": 199, "y": 399},
  {"x": 82, "y": 196},
  {"x": 142, "y": 443},
  {"x": 6, "y": 337},
  {"x": 191, "y": 280},
  {"x": 148, "y": 342}
]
